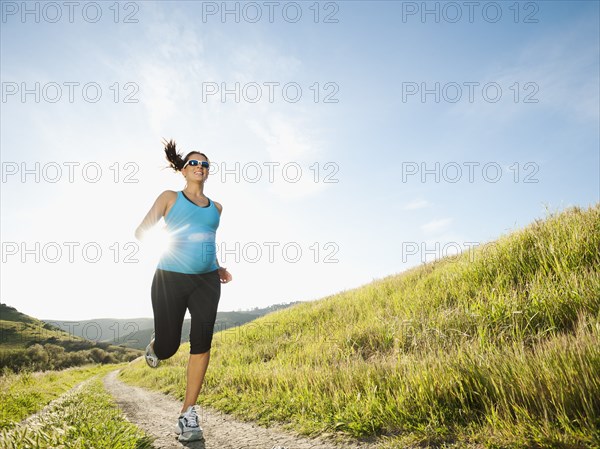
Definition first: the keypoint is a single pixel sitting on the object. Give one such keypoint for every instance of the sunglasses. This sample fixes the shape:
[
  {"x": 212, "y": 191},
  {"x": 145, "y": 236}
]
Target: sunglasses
[{"x": 195, "y": 162}]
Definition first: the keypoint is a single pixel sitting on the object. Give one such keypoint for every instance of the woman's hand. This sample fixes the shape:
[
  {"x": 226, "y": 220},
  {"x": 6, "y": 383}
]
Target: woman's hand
[{"x": 224, "y": 275}]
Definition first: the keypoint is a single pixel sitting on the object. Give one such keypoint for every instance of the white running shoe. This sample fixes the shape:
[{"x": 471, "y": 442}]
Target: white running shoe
[
  {"x": 188, "y": 427},
  {"x": 151, "y": 358}
]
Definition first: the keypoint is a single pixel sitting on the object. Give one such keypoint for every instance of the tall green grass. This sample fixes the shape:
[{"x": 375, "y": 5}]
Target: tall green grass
[
  {"x": 87, "y": 418},
  {"x": 499, "y": 346},
  {"x": 28, "y": 392}
]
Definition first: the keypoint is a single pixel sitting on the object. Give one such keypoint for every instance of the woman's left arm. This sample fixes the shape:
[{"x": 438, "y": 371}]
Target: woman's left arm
[{"x": 224, "y": 275}]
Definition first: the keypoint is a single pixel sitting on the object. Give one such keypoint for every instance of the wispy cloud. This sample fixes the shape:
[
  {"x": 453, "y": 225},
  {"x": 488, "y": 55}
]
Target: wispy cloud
[
  {"x": 417, "y": 204},
  {"x": 436, "y": 225},
  {"x": 290, "y": 142},
  {"x": 284, "y": 140}
]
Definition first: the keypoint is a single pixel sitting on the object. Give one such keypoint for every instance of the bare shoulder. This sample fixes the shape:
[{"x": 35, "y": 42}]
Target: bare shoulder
[
  {"x": 165, "y": 201},
  {"x": 219, "y": 207},
  {"x": 168, "y": 195}
]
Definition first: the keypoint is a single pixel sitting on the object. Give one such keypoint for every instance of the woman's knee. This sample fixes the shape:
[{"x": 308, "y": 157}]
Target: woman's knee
[
  {"x": 165, "y": 352},
  {"x": 202, "y": 347}
]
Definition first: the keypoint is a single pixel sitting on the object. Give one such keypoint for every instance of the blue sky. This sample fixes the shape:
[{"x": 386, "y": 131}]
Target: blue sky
[{"x": 366, "y": 220}]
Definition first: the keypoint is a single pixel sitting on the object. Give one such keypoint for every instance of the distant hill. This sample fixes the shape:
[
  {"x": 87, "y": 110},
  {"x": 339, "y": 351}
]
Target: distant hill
[
  {"x": 26, "y": 342},
  {"x": 135, "y": 332},
  {"x": 8, "y": 313}
]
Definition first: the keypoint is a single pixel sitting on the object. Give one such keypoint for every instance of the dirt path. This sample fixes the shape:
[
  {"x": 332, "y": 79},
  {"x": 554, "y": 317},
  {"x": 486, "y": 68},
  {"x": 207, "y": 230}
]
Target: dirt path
[{"x": 157, "y": 414}]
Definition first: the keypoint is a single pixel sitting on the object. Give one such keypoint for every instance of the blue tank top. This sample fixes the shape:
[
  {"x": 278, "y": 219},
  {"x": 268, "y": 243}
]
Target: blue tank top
[{"x": 193, "y": 230}]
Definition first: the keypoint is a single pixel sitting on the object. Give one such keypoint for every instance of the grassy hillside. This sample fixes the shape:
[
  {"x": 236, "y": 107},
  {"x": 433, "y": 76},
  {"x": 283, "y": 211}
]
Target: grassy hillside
[
  {"x": 498, "y": 347},
  {"x": 8, "y": 313},
  {"x": 26, "y": 342}
]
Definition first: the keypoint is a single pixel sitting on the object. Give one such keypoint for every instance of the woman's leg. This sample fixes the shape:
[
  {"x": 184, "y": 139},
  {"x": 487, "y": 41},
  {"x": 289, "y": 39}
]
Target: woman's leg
[
  {"x": 202, "y": 305},
  {"x": 169, "y": 301},
  {"x": 197, "y": 365}
]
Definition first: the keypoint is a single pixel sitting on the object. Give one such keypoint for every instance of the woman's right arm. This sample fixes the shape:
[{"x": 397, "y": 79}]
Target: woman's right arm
[{"x": 155, "y": 213}]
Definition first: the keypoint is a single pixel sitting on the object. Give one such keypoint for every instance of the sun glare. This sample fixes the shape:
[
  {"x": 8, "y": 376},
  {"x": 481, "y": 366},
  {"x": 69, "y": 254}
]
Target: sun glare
[{"x": 156, "y": 242}]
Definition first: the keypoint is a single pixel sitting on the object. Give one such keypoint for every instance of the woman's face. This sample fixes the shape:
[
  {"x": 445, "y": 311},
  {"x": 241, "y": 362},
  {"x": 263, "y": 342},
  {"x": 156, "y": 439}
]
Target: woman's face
[{"x": 196, "y": 173}]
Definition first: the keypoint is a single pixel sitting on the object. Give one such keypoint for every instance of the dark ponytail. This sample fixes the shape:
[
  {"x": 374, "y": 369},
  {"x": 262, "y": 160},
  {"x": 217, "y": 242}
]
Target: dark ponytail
[{"x": 176, "y": 162}]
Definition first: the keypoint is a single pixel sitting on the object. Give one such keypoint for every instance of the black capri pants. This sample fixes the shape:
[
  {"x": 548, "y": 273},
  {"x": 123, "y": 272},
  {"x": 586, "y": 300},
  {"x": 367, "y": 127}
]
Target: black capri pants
[{"x": 172, "y": 294}]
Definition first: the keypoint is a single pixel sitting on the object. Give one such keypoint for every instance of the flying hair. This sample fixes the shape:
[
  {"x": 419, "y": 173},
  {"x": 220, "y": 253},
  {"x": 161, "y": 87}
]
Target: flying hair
[{"x": 176, "y": 161}]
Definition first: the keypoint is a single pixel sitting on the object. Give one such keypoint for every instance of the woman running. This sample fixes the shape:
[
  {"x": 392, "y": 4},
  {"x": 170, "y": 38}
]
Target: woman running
[{"x": 188, "y": 276}]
